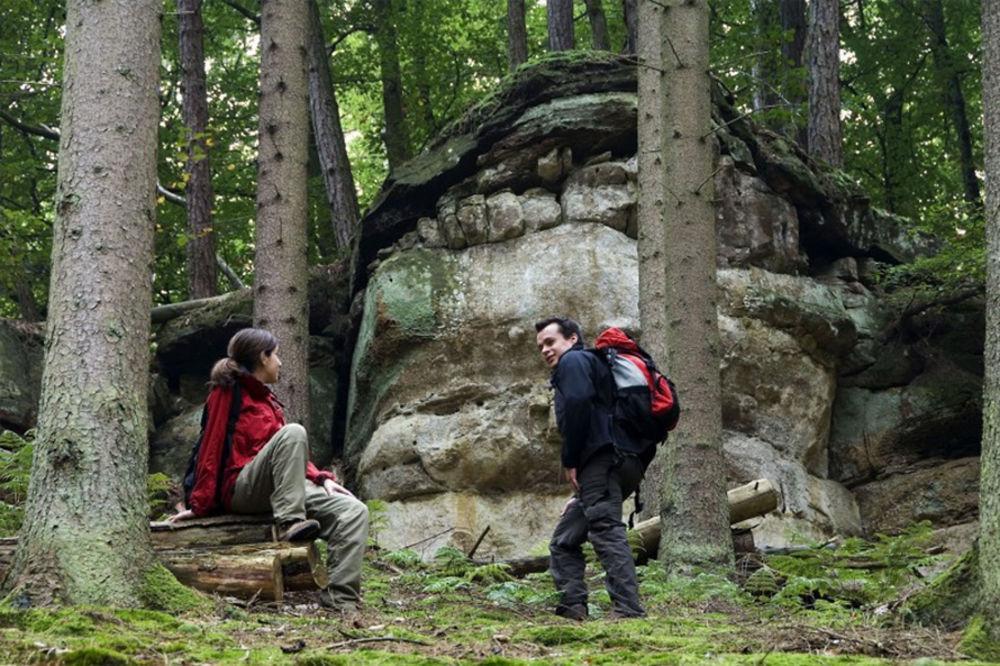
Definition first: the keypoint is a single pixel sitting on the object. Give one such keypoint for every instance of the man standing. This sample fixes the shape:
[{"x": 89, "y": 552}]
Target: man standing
[{"x": 600, "y": 475}]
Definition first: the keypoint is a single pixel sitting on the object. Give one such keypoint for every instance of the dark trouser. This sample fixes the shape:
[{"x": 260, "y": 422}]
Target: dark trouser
[{"x": 596, "y": 515}]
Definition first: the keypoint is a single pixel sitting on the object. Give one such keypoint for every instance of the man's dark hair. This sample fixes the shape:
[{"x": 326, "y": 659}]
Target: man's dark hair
[{"x": 567, "y": 327}]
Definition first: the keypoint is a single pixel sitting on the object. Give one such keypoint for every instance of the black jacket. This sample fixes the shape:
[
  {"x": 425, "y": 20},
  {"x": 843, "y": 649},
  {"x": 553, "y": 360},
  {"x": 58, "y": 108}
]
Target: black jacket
[{"x": 583, "y": 405}]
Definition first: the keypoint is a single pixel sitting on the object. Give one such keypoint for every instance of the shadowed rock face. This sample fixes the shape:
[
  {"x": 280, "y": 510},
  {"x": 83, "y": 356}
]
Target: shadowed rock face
[{"x": 20, "y": 374}]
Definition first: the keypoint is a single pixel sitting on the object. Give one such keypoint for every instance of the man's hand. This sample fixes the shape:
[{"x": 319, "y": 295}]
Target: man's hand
[
  {"x": 333, "y": 488},
  {"x": 571, "y": 477},
  {"x": 186, "y": 514},
  {"x": 569, "y": 503}
]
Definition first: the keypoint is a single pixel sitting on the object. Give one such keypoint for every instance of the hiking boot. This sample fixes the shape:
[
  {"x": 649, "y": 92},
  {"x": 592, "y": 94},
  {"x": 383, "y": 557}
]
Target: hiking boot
[
  {"x": 297, "y": 530},
  {"x": 618, "y": 614},
  {"x": 348, "y": 611},
  {"x": 576, "y": 612}
]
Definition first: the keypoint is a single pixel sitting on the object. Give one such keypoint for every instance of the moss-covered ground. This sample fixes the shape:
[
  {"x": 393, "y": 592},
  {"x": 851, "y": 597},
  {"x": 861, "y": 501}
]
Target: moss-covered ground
[{"x": 819, "y": 605}]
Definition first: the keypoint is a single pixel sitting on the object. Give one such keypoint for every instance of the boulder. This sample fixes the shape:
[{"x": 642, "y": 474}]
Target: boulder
[
  {"x": 170, "y": 446},
  {"x": 875, "y": 431},
  {"x": 21, "y": 355},
  {"x": 772, "y": 390},
  {"x": 600, "y": 194},
  {"x": 483, "y": 424},
  {"x": 809, "y": 504},
  {"x": 812, "y": 313},
  {"x": 944, "y": 492},
  {"x": 755, "y": 225}
]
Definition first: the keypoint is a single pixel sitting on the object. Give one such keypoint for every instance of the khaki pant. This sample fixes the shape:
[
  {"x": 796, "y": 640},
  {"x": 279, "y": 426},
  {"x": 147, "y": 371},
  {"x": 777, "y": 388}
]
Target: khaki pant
[{"x": 275, "y": 481}]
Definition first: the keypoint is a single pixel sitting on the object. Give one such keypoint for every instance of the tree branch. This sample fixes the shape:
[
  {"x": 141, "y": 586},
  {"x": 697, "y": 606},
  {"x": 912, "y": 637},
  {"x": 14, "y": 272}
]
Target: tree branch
[
  {"x": 37, "y": 130},
  {"x": 249, "y": 15}
]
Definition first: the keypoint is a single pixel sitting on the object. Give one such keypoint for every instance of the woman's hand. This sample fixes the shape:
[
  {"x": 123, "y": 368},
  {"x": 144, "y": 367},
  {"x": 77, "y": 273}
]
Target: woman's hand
[
  {"x": 186, "y": 514},
  {"x": 333, "y": 488}
]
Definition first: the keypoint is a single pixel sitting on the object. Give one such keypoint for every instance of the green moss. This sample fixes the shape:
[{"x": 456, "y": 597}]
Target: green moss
[
  {"x": 159, "y": 488},
  {"x": 94, "y": 656},
  {"x": 952, "y": 598},
  {"x": 161, "y": 591},
  {"x": 978, "y": 642}
]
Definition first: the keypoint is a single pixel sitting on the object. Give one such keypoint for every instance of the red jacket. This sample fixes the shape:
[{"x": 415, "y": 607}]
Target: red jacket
[{"x": 260, "y": 417}]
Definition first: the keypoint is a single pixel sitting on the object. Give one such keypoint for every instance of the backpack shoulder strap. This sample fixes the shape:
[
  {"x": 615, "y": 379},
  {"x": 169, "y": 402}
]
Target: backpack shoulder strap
[{"x": 236, "y": 403}]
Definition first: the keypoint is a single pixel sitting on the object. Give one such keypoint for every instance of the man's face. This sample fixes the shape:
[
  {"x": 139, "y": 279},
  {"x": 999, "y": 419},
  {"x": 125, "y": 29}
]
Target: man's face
[{"x": 552, "y": 344}]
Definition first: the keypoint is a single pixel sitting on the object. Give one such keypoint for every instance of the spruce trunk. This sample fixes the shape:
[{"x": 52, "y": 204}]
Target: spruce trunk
[
  {"x": 989, "y": 484},
  {"x": 630, "y": 11},
  {"x": 824, "y": 81},
  {"x": 560, "y": 24},
  {"x": 85, "y": 537},
  {"x": 200, "y": 246},
  {"x": 397, "y": 141},
  {"x": 954, "y": 97},
  {"x": 280, "y": 271},
  {"x": 677, "y": 289},
  {"x": 598, "y": 25},
  {"x": 517, "y": 34},
  {"x": 341, "y": 197}
]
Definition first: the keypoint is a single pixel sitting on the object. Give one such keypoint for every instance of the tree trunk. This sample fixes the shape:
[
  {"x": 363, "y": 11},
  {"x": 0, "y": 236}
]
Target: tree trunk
[
  {"x": 200, "y": 248},
  {"x": 85, "y": 538},
  {"x": 792, "y": 14},
  {"x": 280, "y": 269},
  {"x": 630, "y": 11},
  {"x": 767, "y": 63},
  {"x": 560, "y": 24},
  {"x": 397, "y": 140},
  {"x": 947, "y": 74},
  {"x": 598, "y": 25},
  {"x": 517, "y": 34},
  {"x": 341, "y": 196},
  {"x": 823, "y": 46},
  {"x": 989, "y": 483},
  {"x": 677, "y": 290}
]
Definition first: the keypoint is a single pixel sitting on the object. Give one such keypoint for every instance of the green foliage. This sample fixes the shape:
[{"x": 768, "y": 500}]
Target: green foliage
[
  {"x": 15, "y": 471},
  {"x": 857, "y": 574}
]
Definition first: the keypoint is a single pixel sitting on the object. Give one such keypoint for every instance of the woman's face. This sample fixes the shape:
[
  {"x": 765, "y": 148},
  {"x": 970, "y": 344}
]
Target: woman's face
[{"x": 270, "y": 367}]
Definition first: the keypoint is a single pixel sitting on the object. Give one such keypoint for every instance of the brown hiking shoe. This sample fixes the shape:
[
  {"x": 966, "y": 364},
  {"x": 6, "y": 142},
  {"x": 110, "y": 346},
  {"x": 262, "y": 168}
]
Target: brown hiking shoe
[{"x": 297, "y": 530}]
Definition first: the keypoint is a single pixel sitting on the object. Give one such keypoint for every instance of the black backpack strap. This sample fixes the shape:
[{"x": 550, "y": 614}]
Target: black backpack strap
[{"x": 638, "y": 506}]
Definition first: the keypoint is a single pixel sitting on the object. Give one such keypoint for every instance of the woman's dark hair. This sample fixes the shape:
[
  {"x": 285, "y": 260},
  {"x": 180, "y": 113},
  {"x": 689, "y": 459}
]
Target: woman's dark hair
[
  {"x": 243, "y": 355},
  {"x": 567, "y": 327}
]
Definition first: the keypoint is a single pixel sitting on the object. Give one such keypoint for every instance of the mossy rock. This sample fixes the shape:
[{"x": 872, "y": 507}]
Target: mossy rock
[{"x": 952, "y": 598}]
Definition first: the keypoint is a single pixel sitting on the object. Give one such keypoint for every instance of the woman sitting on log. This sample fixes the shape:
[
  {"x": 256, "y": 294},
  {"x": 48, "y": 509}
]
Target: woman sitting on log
[{"x": 250, "y": 461}]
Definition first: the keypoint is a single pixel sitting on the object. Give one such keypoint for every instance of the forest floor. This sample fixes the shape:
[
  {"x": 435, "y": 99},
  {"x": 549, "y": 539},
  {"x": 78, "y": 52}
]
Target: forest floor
[{"x": 819, "y": 605}]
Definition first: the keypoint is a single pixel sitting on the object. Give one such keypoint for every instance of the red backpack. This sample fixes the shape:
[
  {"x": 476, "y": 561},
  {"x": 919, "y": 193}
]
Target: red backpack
[{"x": 645, "y": 401}]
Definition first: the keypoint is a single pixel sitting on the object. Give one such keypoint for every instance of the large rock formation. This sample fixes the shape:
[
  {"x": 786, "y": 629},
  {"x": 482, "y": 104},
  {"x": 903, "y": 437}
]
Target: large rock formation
[{"x": 526, "y": 208}]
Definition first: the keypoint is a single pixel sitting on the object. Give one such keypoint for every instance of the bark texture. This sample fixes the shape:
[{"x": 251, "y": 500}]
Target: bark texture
[
  {"x": 397, "y": 141},
  {"x": 792, "y": 14},
  {"x": 517, "y": 34},
  {"x": 823, "y": 47},
  {"x": 989, "y": 482},
  {"x": 630, "y": 11},
  {"x": 598, "y": 25},
  {"x": 85, "y": 538},
  {"x": 677, "y": 291},
  {"x": 946, "y": 69},
  {"x": 341, "y": 196},
  {"x": 280, "y": 268},
  {"x": 200, "y": 249},
  {"x": 560, "y": 24}
]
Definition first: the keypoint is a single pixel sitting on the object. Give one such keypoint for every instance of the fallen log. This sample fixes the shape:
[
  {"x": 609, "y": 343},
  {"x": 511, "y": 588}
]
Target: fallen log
[
  {"x": 247, "y": 571},
  {"x": 752, "y": 499},
  {"x": 225, "y": 530}
]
